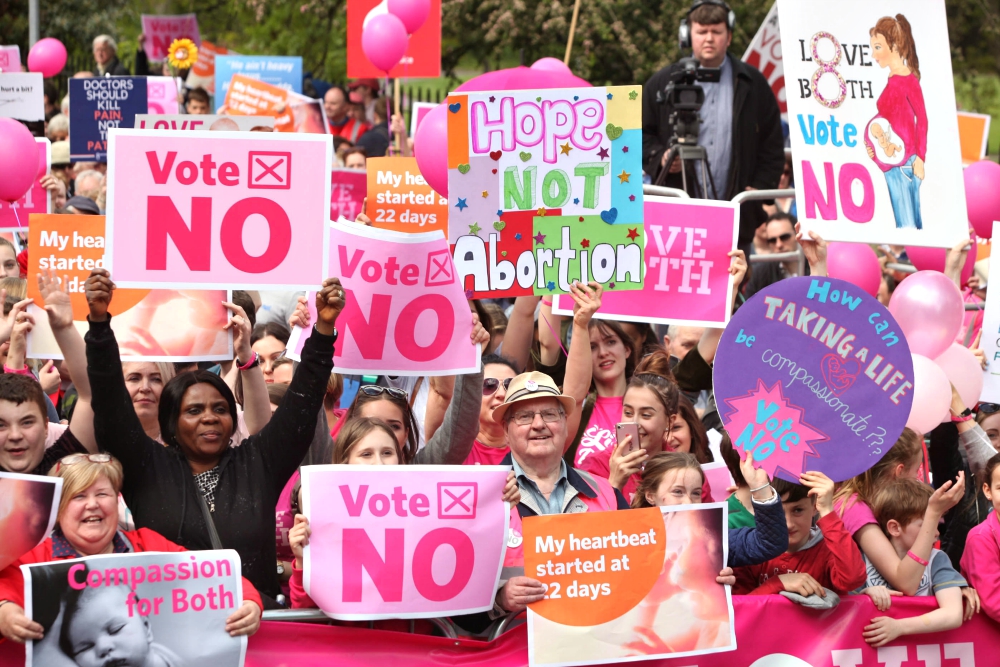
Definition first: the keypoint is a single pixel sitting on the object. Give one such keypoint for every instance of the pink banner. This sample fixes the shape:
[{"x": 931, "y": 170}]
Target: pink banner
[
  {"x": 687, "y": 267},
  {"x": 348, "y": 188},
  {"x": 430, "y": 539},
  {"x": 211, "y": 210},
  {"x": 10, "y": 58},
  {"x": 771, "y": 629},
  {"x": 160, "y": 31},
  {"x": 161, "y": 95},
  {"x": 406, "y": 313},
  {"x": 35, "y": 200}
]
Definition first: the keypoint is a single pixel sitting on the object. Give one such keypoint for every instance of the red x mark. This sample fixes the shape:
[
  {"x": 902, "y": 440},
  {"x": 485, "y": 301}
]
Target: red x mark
[
  {"x": 268, "y": 170},
  {"x": 457, "y": 500},
  {"x": 439, "y": 269}
]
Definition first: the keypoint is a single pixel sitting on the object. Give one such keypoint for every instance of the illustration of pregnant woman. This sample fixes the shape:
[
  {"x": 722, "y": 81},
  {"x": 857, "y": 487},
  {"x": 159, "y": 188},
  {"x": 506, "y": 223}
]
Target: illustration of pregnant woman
[{"x": 901, "y": 107}]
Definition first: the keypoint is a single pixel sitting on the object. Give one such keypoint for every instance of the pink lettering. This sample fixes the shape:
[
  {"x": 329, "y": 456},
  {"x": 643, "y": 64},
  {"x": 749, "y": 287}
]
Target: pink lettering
[
  {"x": 483, "y": 126},
  {"x": 423, "y": 562},
  {"x": 353, "y": 506},
  {"x": 279, "y": 242},
  {"x": 813, "y": 194},
  {"x": 406, "y": 326},
  {"x": 386, "y": 574},
  {"x": 368, "y": 334},
  {"x": 866, "y": 210},
  {"x": 160, "y": 174},
  {"x": 164, "y": 220}
]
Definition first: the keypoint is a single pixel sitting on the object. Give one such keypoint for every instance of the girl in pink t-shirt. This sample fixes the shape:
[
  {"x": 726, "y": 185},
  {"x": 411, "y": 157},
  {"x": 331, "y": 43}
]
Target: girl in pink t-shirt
[{"x": 490, "y": 447}]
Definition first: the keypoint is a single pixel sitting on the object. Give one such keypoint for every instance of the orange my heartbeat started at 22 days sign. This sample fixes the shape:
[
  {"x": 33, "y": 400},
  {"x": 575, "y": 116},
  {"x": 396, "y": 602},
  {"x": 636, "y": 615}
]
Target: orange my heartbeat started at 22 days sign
[{"x": 400, "y": 199}]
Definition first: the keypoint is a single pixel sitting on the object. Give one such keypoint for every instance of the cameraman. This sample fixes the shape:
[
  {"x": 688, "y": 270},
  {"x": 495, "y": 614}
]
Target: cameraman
[{"x": 741, "y": 125}]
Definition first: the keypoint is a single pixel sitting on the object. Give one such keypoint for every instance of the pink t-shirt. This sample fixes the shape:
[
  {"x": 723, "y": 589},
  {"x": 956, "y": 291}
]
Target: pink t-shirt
[
  {"x": 857, "y": 515},
  {"x": 598, "y": 441},
  {"x": 481, "y": 455}
]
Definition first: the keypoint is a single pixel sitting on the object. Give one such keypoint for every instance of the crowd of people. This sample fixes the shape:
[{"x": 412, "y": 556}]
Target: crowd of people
[{"x": 167, "y": 457}]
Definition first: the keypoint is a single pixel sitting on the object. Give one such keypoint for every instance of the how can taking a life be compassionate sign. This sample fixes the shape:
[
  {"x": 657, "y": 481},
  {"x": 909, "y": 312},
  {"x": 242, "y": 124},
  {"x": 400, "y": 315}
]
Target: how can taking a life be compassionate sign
[
  {"x": 216, "y": 209},
  {"x": 545, "y": 187},
  {"x": 813, "y": 374},
  {"x": 136, "y": 609},
  {"x": 402, "y": 542},
  {"x": 628, "y": 586},
  {"x": 871, "y": 110},
  {"x": 688, "y": 242},
  {"x": 405, "y": 312}
]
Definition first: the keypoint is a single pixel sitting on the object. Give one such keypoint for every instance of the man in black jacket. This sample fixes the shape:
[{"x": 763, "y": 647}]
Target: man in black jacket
[
  {"x": 741, "y": 123},
  {"x": 106, "y": 57}
]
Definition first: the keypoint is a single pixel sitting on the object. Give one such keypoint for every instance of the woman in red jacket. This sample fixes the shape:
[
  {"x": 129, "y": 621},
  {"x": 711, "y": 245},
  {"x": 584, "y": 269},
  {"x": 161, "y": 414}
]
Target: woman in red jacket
[{"x": 88, "y": 526}]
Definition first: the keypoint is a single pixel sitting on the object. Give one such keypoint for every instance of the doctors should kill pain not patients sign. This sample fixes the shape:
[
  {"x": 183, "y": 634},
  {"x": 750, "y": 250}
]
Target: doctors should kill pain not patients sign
[
  {"x": 813, "y": 374},
  {"x": 687, "y": 266},
  {"x": 516, "y": 159},
  {"x": 871, "y": 112},
  {"x": 214, "y": 209},
  {"x": 404, "y": 543},
  {"x": 98, "y": 105},
  {"x": 405, "y": 312}
]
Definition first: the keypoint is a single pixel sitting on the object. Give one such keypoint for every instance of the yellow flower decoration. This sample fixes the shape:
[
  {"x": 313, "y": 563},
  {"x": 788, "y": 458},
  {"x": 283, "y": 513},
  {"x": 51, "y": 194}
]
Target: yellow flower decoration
[{"x": 182, "y": 53}]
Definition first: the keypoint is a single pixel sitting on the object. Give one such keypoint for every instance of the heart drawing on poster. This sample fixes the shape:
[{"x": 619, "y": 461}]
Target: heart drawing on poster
[{"x": 840, "y": 374}]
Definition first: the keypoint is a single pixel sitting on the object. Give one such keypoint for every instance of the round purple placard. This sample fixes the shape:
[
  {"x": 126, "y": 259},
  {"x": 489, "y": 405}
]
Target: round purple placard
[{"x": 813, "y": 374}]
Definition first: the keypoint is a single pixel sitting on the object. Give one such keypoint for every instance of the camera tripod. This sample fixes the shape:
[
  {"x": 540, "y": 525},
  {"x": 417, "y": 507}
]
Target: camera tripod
[{"x": 696, "y": 156}]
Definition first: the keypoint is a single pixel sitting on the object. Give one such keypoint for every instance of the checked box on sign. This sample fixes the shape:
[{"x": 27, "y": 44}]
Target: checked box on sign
[
  {"x": 440, "y": 269},
  {"x": 270, "y": 170},
  {"x": 457, "y": 500}
]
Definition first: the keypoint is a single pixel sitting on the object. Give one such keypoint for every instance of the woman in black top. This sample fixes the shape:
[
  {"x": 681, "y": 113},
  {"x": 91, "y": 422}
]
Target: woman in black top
[{"x": 197, "y": 484}]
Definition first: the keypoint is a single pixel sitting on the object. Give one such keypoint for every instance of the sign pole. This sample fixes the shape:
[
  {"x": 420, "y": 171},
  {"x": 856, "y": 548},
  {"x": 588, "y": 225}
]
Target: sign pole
[{"x": 572, "y": 31}]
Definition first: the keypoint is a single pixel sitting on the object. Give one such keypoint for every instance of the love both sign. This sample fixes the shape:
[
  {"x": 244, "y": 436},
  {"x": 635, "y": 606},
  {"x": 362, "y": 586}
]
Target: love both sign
[{"x": 216, "y": 210}]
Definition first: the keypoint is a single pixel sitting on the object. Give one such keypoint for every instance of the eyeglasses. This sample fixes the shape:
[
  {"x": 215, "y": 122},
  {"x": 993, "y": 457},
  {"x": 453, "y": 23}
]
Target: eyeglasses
[
  {"x": 549, "y": 416},
  {"x": 73, "y": 459},
  {"x": 988, "y": 408},
  {"x": 378, "y": 390},
  {"x": 490, "y": 385},
  {"x": 784, "y": 238}
]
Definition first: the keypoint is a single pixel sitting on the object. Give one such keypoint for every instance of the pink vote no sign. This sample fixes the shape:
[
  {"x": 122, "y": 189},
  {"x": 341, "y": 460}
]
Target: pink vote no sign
[
  {"x": 215, "y": 209},
  {"x": 403, "y": 542}
]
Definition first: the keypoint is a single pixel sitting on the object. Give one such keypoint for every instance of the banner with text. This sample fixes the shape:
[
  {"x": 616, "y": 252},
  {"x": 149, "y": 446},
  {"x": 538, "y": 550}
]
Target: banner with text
[
  {"x": 532, "y": 175},
  {"x": 423, "y": 53},
  {"x": 401, "y": 200},
  {"x": 29, "y": 506},
  {"x": 990, "y": 342},
  {"x": 282, "y": 71},
  {"x": 10, "y": 58},
  {"x": 214, "y": 210},
  {"x": 143, "y": 608},
  {"x": 202, "y": 74},
  {"x": 21, "y": 96},
  {"x": 348, "y": 189},
  {"x": 150, "y": 325},
  {"x": 406, "y": 313},
  {"x": 14, "y": 217},
  {"x": 621, "y": 583},
  {"x": 813, "y": 374},
  {"x": 160, "y": 31},
  {"x": 161, "y": 95},
  {"x": 431, "y": 539},
  {"x": 877, "y": 157},
  {"x": 292, "y": 112},
  {"x": 202, "y": 122},
  {"x": 99, "y": 104},
  {"x": 764, "y": 53},
  {"x": 687, "y": 266}
]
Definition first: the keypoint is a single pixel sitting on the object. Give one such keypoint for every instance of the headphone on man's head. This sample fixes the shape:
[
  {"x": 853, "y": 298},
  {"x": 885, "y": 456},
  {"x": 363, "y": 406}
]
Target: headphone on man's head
[{"x": 684, "y": 31}]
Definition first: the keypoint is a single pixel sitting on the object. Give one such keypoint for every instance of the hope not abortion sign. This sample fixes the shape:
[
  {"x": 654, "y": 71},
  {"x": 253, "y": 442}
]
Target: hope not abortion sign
[
  {"x": 402, "y": 542},
  {"x": 545, "y": 187},
  {"x": 687, "y": 266},
  {"x": 169, "y": 609},
  {"x": 405, "y": 312},
  {"x": 98, "y": 105},
  {"x": 813, "y": 374},
  {"x": 875, "y": 142},
  {"x": 619, "y": 580},
  {"x": 209, "y": 210}
]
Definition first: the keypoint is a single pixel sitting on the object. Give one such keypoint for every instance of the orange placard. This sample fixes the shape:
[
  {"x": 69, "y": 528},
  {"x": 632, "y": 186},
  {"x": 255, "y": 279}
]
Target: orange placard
[
  {"x": 250, "y": 97},
  {"x": 400, "y": 199},
  {"x": 72, "y": 246},
  {"x": 597, "y": 565},
  {"x": 973, "y": 131}
]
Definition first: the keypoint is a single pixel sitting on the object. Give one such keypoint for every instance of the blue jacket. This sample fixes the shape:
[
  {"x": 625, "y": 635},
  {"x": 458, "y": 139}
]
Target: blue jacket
[{"x": 750, "y": 546}]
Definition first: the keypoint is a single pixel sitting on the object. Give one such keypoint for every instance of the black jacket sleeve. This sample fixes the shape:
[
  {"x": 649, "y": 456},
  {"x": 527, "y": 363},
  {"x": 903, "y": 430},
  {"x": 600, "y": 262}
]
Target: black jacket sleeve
[
  {"x": 284, "y": 442},
  {"x": 770, "y": 141},
  {"x": 653, "y": 146}
]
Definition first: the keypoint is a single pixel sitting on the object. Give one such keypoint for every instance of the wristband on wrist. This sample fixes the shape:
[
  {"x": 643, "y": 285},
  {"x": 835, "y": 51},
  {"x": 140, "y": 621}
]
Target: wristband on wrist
[
  {"x": 253, "y": 361},
  {"x": 961, "y": 418},
  {"x": 547, "y": 302},
  {"x": 760, "y": 488},
  {"x": 917, "y": 558},
  {"x": 17, "y": 371}
]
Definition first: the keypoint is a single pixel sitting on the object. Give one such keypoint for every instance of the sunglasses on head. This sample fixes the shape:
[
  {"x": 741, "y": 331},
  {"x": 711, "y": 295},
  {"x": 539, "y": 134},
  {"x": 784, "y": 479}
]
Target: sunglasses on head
[
  {"x": 73, "y": 459},
  {"x": 378, "y": 390},
  {"x": 490, "y": 385},
  {"x": 784, "y": 238},
  {"x": 988, "y": 408}
]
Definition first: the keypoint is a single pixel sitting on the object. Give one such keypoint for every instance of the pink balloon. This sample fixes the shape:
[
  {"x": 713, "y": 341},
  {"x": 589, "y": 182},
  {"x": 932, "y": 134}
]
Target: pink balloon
[
  {"x": 47, "y": 56},
  {"x": 430, "y": 148},
  {"x": 963, "y": 371},
  {"x": 931, "y": 395},
  {"x": 856, "y": 263},
  {"x": 982, "y": 195},
  {"x": 18, "y": 160},
  {"x": 384, "y": 41},
  {"x": 522, "y": 78},
  {"x": 413, "y": 13},
  {"x": 929, "y": 310},
  {"x": 933, "y": 259},
  {"x": 551, "y": 65}
]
